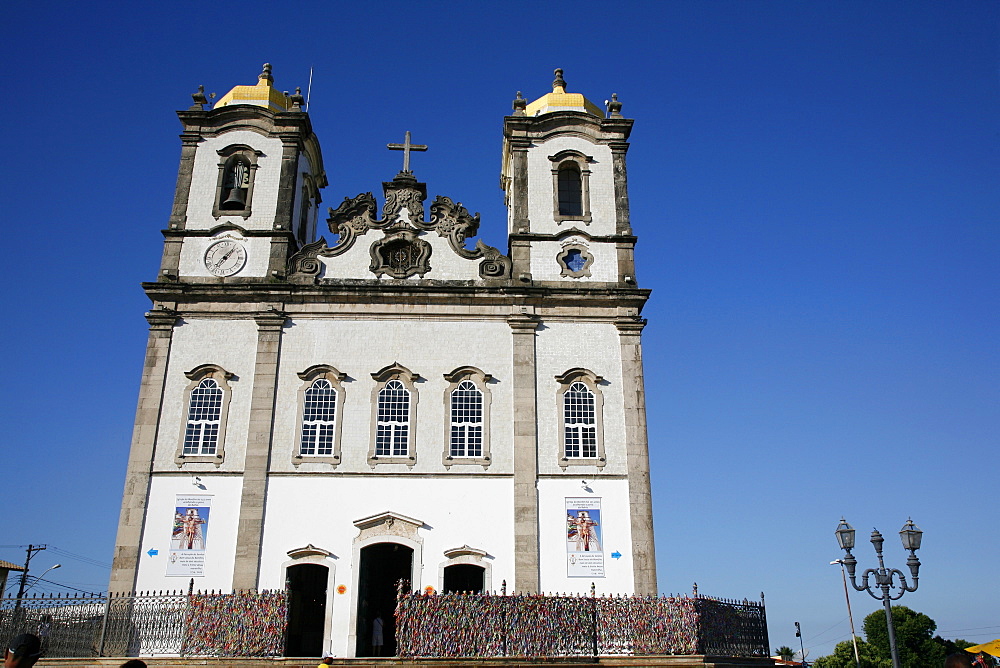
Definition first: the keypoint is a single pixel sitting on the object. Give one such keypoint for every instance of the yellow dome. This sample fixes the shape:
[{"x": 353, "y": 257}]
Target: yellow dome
[
  {"x": 560, "y": 100},
  {"x": 261, "y": 95}
]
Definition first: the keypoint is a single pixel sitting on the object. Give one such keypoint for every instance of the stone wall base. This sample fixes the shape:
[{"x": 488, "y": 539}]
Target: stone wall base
[{"x": 573, "y": 662}]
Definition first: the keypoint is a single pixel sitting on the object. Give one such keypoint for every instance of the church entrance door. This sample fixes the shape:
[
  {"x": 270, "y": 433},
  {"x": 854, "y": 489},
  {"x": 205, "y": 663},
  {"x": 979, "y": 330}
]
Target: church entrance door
[
  {"x": 306, "y": 609},
  {"x": 463, "y": 577},
  {"x": 382, "y": 565}
]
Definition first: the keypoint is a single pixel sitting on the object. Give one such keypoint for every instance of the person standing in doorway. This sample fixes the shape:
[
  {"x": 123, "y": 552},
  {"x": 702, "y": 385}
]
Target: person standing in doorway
[{"x": 377, "y": 639}]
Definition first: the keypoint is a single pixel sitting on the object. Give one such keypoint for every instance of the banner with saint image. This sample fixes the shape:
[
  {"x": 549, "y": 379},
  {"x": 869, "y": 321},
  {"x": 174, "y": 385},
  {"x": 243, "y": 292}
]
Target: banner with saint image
[
  {"x": 189, "y": 536},
  {"x": 584, "y": 544}
]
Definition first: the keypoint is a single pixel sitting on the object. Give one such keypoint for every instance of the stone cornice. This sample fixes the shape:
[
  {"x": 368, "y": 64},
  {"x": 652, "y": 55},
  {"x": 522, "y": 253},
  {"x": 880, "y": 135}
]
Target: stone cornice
[
  {"x": 601, "y": 130},
  {"x": 547, "y": 294},
  {"x": 535, "y": 236}
]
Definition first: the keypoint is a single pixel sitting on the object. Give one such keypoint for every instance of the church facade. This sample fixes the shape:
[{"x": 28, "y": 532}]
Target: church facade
[{"x": 406, "y": 403}]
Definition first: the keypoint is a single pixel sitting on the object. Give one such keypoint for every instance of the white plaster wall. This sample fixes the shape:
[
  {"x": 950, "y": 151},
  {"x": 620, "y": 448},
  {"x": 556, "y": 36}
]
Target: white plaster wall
[
  {"x": 192, "y": 261},
  {"x": 615, "y": 528},
  {"x": 558, "y": 349},
  {"x": 205, "y": 178},
  {"x": 321, "y": 510},
  {"x": 220, "y": 538},
  {"x": 231, "y": 344},
  {"x": 360, "y": 347},
  {"x": 540, "y": 190},
  {"x": 545, "y": 267},
  {"x": 446, "y": 264}
]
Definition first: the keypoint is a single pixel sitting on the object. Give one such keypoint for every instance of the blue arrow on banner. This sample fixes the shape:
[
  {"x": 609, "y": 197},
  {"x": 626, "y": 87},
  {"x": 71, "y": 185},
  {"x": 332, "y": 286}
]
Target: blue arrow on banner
[
  {"x": 153, "y": 552},
  {"x": 616, "y": 555}
]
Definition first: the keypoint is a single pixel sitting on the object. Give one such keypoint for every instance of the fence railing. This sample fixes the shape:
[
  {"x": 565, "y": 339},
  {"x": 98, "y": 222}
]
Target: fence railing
[
  {"x": 532, "y": 625},
  {"x": 245, "y": 623},
  {"x": 250, "y": 623}
]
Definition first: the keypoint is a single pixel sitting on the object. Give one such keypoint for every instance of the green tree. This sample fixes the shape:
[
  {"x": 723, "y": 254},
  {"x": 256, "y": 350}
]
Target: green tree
[
  {"x": 785, "y": 653},
  {"x": 914, "y": 637},
  {"x": 843, "y": 657}
]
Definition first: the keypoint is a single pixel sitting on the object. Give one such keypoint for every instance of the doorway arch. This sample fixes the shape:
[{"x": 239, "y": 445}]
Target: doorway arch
[
  {"x": 380, "y": 568},
  {"x": 307, "y": 586},
  {"x": 392, "y": 529},
  {"x": 459, "y": 578}
]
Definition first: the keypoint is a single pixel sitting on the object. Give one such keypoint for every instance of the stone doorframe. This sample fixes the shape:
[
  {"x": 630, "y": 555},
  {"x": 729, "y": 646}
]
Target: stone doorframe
[
  {"x": 310, "y": 554},
  {"x": 385, "y": 527},
  {"x": 467, "y": 555}
]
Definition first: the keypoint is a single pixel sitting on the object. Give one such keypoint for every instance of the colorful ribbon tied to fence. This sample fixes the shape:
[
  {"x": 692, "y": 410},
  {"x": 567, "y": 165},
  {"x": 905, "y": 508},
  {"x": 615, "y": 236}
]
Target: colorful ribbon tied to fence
[
  {"x": 481, "y": 625},
  {"x": 242, "y": 624}
]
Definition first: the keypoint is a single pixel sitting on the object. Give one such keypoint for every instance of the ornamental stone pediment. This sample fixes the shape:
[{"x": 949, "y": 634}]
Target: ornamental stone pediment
[
  {"x": 388, "y": 523},
  {"x": 400, "y": 252},
  {"x": 309, "y": 550}
]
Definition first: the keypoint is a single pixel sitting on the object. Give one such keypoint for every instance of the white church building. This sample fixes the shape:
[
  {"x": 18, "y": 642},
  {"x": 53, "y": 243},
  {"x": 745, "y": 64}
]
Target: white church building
[{"x": 397, "y": 400}]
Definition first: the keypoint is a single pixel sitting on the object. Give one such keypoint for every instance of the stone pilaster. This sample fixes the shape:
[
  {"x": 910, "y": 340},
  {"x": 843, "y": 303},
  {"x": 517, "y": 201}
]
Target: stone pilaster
[
  {"x": 637, "y": 455},
  {"x": 284, "y": 208},
  {"x": 623, "y": 224},
  {"x": 170, "y": 263},
  {"x": 258, "y": 452},
  {"x": 189, "y": 146},
  {"x": 125, "y": 564},
  {"x": 526, "y": 558}
]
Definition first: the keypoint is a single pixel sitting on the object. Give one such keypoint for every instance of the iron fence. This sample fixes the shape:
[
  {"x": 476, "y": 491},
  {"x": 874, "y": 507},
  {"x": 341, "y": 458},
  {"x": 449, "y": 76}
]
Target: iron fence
[
  {"x": 146, "y": 624},
  {"x": 253, "y": 623},
  {"x": 532, "y": 625}
]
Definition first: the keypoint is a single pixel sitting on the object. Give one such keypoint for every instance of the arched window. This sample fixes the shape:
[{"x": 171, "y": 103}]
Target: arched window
[
  {"x": 466, "y": 420},
  {"x": 235, "y": 184},
  {"x": 203, "y": 432},
  {"x": 319, "y": 419},
  {"x": 394, "y": 412},
  {"x": 581, "y": 423},
  {"x": 571, "y": 186},
  {"x": 321, "y": 397},
  {"x": 234, "y": 190},
  {"x": 204, "y": 417},
  {"x": 467, "y": 402},
  {"x": 392, "y": 436},
  {"x": 570, "y": 190}
]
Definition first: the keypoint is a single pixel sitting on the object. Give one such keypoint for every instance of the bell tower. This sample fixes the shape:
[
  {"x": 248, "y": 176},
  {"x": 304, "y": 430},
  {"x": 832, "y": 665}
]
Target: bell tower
[
  {"x": 567, "y": 189},
  {"x": 248, "y": 187}
]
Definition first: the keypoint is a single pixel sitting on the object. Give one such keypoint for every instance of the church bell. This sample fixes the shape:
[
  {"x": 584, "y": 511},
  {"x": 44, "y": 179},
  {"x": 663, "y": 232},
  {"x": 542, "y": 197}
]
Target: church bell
[{"x": 237, "y": 199}]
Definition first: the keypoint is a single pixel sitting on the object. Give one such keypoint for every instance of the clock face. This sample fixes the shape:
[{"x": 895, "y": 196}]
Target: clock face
[{"x": 225, "y": 258}]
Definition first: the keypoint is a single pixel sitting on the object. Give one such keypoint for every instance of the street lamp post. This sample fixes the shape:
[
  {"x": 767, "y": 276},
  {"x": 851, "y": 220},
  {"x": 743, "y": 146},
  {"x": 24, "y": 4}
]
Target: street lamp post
[
  {"x": 910, "y": 535},
  {"x": 39, "y": 578}
]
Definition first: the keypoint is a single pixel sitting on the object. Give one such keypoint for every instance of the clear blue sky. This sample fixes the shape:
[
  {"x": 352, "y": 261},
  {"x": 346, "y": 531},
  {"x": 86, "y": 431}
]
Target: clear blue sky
[{"x": 815, "y": 190}]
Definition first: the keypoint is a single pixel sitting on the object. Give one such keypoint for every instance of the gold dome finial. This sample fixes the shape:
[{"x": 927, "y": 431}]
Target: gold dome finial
[
  {"x": 261, "y": 95},
  {"x": 559, "y": 84},
  {"x": 266, "y": 74},
  {"x": 560, "y": 100}
]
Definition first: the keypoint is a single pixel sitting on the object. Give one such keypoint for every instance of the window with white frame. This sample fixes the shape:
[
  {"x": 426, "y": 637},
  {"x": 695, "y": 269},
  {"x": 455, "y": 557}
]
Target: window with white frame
[
  {"x": 466, "y": 420},
  {"x": 392, "y": 435},
  {"x": 394, "y": 412},
  {"x": 319, "y": 419},
  {"x": 467, "y": 402},
  {"x": 321, "y": 401},
  {"x": 581, "y": 423},
  {"x": 204, "y": 419},
  {"x": 203, "y": 430}
]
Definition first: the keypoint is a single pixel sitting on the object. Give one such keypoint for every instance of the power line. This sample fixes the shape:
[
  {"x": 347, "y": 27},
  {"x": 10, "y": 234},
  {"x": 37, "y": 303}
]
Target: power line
[{"x": 79, "y": 557}]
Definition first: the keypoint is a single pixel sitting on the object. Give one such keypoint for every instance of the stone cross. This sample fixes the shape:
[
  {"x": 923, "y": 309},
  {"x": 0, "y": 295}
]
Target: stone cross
[{"x": 406, "y": 147}]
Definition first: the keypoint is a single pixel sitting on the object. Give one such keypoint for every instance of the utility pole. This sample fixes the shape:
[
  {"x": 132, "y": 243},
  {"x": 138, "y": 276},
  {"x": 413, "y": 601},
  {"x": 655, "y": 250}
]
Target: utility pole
[{"x": 32, "y": 549}]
